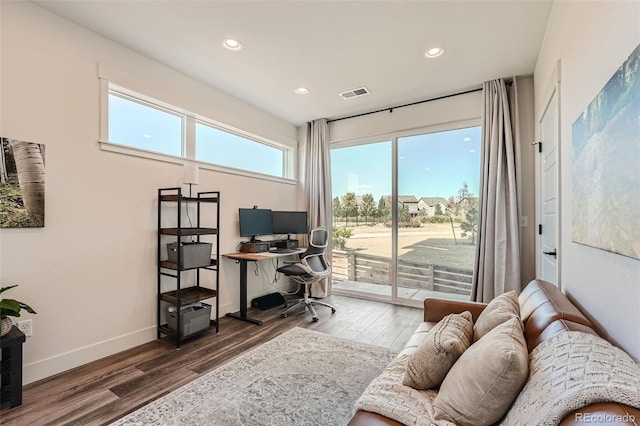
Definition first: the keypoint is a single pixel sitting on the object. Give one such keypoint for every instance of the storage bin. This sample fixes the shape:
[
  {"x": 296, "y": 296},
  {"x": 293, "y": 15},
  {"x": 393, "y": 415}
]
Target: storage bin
[
  {"x": 192, "y": 318},
  {"x": 192, "y": 255}
]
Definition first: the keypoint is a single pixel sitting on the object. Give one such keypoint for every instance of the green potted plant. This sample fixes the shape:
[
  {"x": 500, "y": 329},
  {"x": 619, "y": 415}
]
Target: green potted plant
[{"x": 10, "y": 308}]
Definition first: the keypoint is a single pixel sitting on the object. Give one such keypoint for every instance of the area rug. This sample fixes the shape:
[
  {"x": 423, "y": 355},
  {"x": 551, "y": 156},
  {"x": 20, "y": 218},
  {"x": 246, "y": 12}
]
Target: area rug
[{"x": 301, "y": 377}]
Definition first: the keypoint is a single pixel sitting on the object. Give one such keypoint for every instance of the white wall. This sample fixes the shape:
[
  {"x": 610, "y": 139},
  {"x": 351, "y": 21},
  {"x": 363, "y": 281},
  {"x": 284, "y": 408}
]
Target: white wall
[
  {"x": 441, "y": 112},
  {"x": 527, "y": 178},
  {"x": 591, "y": 39},
  {"x": 90, "y": 272}
]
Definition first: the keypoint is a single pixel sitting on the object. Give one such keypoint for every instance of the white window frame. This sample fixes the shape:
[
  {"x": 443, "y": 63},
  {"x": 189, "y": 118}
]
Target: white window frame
[
  {"x": 254, "y": 138},
  {"x": 188, "y": 145},
  {"x": 153, "y": 104}
]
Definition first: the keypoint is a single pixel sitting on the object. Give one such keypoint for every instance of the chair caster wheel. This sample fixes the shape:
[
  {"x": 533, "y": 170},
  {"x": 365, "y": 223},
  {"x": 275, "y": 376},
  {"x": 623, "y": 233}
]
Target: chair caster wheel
[
  {"x": 333, "y": 311},
  {"x": 284, "y": 315},
  {"x": 315, "y": 319}
]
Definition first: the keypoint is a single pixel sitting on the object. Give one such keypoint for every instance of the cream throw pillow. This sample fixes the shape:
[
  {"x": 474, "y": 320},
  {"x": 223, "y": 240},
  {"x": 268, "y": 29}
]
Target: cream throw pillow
[
  {"x": 486, "y": 379},
  {"x": 441, "y": 347},
  {"x": 502, "y": 308}
]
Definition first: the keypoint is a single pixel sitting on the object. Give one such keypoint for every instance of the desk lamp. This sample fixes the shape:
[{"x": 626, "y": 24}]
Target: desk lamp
[{"x": 191, "y": 175}]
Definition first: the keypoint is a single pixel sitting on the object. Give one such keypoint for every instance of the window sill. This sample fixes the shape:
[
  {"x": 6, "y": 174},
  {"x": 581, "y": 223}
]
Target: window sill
[{"x": 157, "y": 156}]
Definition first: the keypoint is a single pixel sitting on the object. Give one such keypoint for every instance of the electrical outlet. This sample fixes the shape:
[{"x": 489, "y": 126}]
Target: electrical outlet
[{"x": 26, "y": 327}]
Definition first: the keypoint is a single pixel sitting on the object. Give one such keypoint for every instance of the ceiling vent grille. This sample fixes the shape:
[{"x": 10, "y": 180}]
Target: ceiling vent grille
[{"x": 361, "y": 91}]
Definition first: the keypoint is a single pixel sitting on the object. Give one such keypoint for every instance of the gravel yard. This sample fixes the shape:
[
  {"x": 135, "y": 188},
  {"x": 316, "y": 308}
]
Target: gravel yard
[{"x": 433, "y": 243}]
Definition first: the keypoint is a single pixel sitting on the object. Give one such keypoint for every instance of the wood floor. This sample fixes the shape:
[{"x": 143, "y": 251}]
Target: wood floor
[{"x": 105, "y": 390}]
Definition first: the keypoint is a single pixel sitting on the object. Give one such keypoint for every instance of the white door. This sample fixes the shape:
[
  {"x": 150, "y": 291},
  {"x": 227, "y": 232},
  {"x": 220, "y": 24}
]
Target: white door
[{"x": 548, "y": 192}]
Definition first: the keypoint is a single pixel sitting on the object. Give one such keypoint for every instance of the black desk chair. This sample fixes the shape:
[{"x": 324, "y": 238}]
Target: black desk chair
[{"x": 312, "y": 267}]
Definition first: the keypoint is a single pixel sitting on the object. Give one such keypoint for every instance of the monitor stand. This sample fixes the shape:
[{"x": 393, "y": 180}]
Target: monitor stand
[{"x": 254, "y": 246}]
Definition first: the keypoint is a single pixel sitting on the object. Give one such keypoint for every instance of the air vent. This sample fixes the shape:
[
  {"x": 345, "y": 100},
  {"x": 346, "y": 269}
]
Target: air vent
[{"x": 361, "y": 91}]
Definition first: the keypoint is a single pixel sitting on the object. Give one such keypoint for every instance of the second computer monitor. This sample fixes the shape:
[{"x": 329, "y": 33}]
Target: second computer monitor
[{"x": 290, "y": 222}]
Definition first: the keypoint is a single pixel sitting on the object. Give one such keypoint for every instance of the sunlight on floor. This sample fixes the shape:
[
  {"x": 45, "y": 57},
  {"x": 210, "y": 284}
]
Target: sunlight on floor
[{"x": 385, "y": 290}]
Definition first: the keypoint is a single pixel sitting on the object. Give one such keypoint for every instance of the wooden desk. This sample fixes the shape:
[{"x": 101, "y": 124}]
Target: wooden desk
[{"x": 243, "y": 259}]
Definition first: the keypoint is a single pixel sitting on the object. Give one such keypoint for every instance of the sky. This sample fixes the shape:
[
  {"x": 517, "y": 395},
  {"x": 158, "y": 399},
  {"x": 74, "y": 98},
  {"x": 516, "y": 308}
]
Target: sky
[
  {"x": 430, "y": 165},
  {"x": 137, "y": 125}
]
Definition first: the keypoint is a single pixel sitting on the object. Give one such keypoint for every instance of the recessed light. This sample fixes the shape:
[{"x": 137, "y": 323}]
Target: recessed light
[
  {"x": 301, "y": 90},
  {"x": 231, "y": 44},
  {"x": 434, "y": 52}
]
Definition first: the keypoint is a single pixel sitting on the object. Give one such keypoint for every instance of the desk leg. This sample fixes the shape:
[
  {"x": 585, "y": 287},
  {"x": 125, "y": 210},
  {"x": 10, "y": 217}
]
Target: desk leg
[{"x": 242, "y": 315}]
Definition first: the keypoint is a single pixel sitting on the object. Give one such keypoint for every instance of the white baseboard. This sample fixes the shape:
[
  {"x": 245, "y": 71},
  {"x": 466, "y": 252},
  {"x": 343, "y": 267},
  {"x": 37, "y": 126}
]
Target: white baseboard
[
  {"x": 48, "y": 367},
  {"x": 62, "y": 362}
]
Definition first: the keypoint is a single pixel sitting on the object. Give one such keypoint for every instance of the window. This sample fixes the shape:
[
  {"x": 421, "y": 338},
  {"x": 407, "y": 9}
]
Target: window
[
  {"x": 140, "y": 125},
  {"x": 145, "y": 127},
  {"x": 227, "y": 149},
  {"x": 405, "y": 215}
]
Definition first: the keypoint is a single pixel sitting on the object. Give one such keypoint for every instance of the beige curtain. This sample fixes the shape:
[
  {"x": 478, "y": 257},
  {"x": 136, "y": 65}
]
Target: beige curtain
[
  {"x": 497, "y": 267},
  {"x": 317, "y": 186}
]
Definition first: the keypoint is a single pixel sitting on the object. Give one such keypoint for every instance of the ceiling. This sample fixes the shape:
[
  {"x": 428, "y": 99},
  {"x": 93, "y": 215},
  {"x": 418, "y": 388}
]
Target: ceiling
[{"x": 327, "y": 46}]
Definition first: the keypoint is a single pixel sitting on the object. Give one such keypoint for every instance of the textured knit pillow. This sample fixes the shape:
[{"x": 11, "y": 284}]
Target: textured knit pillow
[
  {"x": 502, "y": 308},
  {"x": 441, "y": 347},
  {"x": 486, "y": 379}
]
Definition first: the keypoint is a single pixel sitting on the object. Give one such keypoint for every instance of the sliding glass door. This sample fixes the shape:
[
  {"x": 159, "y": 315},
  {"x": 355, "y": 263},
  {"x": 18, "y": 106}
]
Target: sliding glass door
[
  {"x": 361, "y": 180},
  {"x": 405, "y": 215},
  {"x": 438, "y": 176}
]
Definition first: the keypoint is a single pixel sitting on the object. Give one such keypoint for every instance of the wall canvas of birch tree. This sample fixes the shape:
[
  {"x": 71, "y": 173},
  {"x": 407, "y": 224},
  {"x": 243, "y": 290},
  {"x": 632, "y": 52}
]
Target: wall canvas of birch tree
[{"x": 21, "y": 184}]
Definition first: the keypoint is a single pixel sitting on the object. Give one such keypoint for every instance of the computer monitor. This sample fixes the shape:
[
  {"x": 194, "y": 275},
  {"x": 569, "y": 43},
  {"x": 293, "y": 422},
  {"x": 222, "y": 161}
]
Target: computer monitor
[
  {"x": 290, "y": 223},
  {"x": 255, "y": 222}
]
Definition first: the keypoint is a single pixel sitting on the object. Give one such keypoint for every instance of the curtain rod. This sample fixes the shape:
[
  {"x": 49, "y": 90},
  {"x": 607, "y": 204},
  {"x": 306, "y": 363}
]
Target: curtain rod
[{"x": 390, "y": 109}]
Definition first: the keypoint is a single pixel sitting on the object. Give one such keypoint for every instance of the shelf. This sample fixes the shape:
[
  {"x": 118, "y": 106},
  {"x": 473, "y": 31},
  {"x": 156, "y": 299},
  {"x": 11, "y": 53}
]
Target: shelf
[
  {"x": 174, "y": 266},
  {"x": 11, "y": 367},
  {"x": 176, "y": 198},
  {"x": 5, "y": 392},
  {"x": 185, "y": 232},
  {"x": 188, "y": 295},
  {"x": 171, "y": 203},
  {"x": 164, "y": 328}
]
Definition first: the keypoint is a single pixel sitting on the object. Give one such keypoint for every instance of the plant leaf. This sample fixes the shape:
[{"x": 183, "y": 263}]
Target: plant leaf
[
  {"x": 7, "y": 288},
  {"x": 9, "y": 307},
  {"x": 27, "y": 308}
]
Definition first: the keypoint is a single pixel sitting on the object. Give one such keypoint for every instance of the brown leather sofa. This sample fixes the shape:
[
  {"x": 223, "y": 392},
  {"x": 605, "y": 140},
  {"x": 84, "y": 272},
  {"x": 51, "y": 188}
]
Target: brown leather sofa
[{"x": 545, "y": 312}]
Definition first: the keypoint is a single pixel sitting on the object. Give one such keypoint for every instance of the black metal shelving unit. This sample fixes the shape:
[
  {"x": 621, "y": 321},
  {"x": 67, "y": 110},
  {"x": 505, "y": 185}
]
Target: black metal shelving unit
[
  {"x": 184, "y": 295},
  {"x": 11, "y": 368}
]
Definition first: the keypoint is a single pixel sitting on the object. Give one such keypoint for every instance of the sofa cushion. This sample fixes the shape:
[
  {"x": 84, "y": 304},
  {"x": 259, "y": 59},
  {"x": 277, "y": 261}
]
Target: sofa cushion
[
  {"x": 442, "y": 346},
  {"x": 555, "y": 328},
  {"x": 543, "y": 296},
  {"x": 542, "y": 303},
  {"x": 502, "y": 308},
  {"x": 417, "y": 338},
  {"x": 435, "y": 309},
  {"x": 486, "y": 379}
]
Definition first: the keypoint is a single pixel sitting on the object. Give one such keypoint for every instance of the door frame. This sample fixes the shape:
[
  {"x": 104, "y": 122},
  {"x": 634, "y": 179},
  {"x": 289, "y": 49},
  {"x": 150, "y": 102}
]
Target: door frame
[{"x": 552, "y": 90}]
